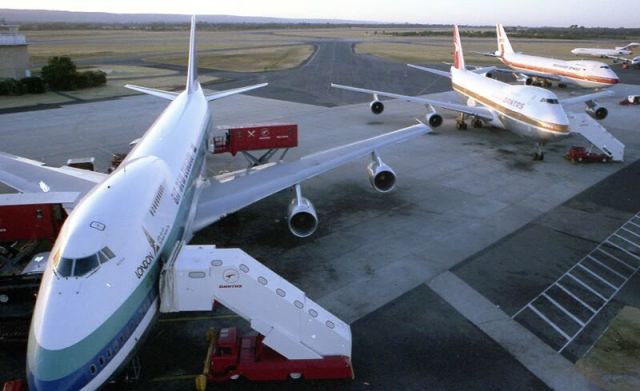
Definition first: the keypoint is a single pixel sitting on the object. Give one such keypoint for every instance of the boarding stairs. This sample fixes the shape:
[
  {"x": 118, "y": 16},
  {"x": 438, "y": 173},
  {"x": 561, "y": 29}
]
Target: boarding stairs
[
  {"x": 292, "y": 324},
  {"x": 597, "y": 135},
  {"x": 566, "y": 307}
]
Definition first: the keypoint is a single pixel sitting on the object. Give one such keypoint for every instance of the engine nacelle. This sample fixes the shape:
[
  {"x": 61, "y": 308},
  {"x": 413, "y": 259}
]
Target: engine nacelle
[
  {"x": 381, "y": 176},
  {"x": 376, "y": 106},
  {"x": 434, "y": 120},
  {"x": 302, "y": 217},
  {"x": 489, "y": 75},
  {"x": 528, "y": 81},
  {"x": 596, "y": 111}
]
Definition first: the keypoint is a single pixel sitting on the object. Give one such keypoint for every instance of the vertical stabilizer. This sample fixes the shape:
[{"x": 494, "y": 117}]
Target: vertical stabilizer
[
  {"x": 458, "y": 57},
  {"x": 192, "y": 71},
  {"x": 504, "y": 46}
]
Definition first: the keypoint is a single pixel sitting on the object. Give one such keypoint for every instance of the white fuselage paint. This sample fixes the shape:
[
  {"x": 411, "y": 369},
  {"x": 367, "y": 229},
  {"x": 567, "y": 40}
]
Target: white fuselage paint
[
  {"x": 140, "y": 212},
  {"x": 520, "y": 109},
  {"x": 588, "y": 74},
  {"x": 602, "y": 53}
]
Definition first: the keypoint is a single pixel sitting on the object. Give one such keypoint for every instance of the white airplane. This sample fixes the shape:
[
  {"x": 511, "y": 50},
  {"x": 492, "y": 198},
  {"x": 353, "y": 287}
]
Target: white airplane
[
  {"x": 529, "y": 111},
  {"x": 99, "y": 292},
  {"x": 536, "y": 69},
  {"x": 606, "y": 53}
]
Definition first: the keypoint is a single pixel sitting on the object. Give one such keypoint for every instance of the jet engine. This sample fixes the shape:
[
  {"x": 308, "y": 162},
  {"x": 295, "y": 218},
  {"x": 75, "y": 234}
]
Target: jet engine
[
  {"x": 301, "y": 216},
  {"x": 434, "y": 119},
  {"x": 376, "y": 107},
  {"x": 596, "y": 111},
  {"x": 381, "y": 176}
]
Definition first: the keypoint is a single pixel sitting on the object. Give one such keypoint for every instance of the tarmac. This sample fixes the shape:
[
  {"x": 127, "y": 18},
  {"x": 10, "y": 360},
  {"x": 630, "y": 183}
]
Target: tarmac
[{"x": 430, "y": 276}]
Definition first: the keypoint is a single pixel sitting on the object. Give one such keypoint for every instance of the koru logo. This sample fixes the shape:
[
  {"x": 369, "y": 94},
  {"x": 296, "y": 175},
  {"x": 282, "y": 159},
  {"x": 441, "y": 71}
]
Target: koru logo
[{"x": 230, "y": 276}]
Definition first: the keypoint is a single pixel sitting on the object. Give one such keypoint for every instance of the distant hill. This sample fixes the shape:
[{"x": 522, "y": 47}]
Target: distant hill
[{"x": 12, "y": 16}]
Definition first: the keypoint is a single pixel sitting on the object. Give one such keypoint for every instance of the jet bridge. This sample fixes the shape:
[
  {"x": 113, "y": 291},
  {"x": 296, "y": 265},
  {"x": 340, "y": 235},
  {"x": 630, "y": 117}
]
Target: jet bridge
[
  {"x": 292, "y": 324},
  {"x": 597, "y": 135}
]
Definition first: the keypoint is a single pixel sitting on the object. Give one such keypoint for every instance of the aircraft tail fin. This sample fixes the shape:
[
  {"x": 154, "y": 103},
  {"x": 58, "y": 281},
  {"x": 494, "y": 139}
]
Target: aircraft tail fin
[
  {"x": 504, "y": 46},
  {"x": 192, "y": 69},
  {"x": 458, "y": 57}
]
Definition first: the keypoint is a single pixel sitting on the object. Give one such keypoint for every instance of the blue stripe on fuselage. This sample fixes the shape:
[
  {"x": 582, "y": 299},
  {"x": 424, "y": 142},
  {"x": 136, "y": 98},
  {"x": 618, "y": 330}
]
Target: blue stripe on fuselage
[{"x": 83, "y": 375}]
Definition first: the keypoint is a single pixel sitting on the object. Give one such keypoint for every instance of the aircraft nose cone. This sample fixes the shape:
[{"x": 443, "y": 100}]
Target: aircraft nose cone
[{"x": 50, "y": 369}]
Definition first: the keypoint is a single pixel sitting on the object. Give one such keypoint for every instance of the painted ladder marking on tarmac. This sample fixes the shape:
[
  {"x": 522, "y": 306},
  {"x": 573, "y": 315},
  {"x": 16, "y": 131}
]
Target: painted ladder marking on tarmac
[
  {"x": 633, "y": 239},
  {"x": 592, "y": 259},
  {"x": 617, "y": 259}
]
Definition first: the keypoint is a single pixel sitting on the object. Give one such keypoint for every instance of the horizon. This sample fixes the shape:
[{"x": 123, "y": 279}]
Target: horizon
[{"x": 527, "y": 14}]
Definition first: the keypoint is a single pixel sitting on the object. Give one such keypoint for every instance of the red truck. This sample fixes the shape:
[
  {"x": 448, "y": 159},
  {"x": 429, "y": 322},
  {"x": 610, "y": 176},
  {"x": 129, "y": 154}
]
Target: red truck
[
  {"x": 231, "y": 356},
  {"x": 581, "y": 154},
  {"x": 255, "y": 137}
]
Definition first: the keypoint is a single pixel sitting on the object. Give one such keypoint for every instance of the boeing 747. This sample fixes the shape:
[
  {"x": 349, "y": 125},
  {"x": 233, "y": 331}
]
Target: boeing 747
[
  {"x": 529, "y": 111},
  {"x": 99, "y": 292}
]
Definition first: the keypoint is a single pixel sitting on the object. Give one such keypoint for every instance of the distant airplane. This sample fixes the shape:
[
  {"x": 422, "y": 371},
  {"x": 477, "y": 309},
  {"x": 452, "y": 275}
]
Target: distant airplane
[
  {"x": 529, "y": 111},
  {"x": 99, "y": 292},
  {"x": 544, "y": 70},
  {"x": 606, "y": 53}
]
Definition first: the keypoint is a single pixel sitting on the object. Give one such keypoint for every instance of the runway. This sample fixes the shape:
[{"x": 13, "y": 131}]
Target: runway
[{"x": 471, "y": 208}]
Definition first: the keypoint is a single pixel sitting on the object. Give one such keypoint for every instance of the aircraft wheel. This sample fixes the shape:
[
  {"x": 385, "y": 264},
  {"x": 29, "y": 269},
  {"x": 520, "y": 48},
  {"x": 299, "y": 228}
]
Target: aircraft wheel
[{"x": 477, "y": 123}]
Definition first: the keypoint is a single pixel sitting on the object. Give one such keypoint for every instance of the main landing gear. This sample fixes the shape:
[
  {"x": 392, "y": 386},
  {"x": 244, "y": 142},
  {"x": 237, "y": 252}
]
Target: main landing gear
[
  {"x": 460, "y": 124},
  {"x": 538, "y": 155}
]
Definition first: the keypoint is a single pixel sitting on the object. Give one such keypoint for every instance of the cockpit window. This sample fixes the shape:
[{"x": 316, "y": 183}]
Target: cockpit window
[
  {"x": 604, "y": 66},
  {"x": 78, "y": 267},
  {"x": 552, "y": 101}
]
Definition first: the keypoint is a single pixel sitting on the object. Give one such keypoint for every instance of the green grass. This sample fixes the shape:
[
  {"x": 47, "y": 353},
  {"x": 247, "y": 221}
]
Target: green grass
[
  {"x": 614, "y": 361},
  {"x": 246, "y": 60}
]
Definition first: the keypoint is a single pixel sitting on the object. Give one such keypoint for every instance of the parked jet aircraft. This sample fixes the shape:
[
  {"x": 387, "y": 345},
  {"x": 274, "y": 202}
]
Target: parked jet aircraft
[
  {"x": 533, "y": 69},
  {"x": 529, "y": 111},
  {"x": 606, "y": 53},
  {"x": 99, "y": 293}
]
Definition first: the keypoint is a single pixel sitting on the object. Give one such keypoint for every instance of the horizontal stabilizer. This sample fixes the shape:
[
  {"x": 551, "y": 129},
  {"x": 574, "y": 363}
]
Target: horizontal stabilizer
[
  {"x": 483, "y": 70},
  {"x": 487, "y": 54},
  {"x": 38, "y": 198},
  {"x": 431, "y": 70},
  {"x": 152, "y": 91},
  {"x": 224, "y": 94}
]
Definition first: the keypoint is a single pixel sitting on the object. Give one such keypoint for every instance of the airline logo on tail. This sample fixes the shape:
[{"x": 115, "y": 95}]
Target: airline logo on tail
[
  {"x": 458, "y": 58},
  {"x": 504, "y": 46}
]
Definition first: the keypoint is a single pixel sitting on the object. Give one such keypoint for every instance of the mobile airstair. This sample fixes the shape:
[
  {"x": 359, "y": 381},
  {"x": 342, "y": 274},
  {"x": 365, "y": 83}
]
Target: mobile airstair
[
  {"x": 292, "y": 324},
  {"x": 597, "y": 135}
]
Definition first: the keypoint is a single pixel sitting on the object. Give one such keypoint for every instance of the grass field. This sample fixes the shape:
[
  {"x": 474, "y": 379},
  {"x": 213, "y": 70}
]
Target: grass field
[
  {"x": 116, "y": 44},
  {"x": 245, "y": 60},
  {"x": 434, "y": 50},
  {"x": 614, "y": 362}
]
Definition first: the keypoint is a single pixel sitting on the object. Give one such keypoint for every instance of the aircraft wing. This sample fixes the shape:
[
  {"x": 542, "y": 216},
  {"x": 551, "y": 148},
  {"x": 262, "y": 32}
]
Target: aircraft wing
[
  {"x": 30, "y": 176},
  {"x": 521, "y": 75},
  {"x": 586, "y": 98},
  {"x": 478, "y": 111},
  {"x": 219, "y": 198}
]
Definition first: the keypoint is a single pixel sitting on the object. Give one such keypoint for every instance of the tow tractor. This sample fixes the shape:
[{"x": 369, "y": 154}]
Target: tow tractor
[
  {"x": 582, "y": 154},
  {"x": 631, "y": 100}
]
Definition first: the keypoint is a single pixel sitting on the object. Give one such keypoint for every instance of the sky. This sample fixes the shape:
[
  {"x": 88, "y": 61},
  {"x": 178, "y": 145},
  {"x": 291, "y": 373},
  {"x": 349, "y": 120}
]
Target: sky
[{"x": 563, "y": 13}]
